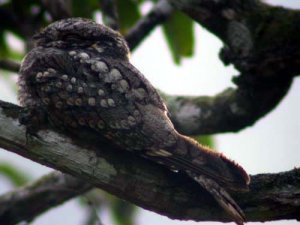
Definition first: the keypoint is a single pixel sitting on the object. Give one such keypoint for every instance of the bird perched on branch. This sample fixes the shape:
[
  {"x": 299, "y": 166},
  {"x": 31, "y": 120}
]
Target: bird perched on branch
[{"x": 79, "y": 77}]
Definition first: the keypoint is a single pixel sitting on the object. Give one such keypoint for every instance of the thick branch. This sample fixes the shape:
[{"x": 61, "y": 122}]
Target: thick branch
[
  {"x": 263, "y": 43},
  {"x": 145, "y": 183},
  {"x": 231, "y": 110},
  {"x": 260, "y": 40},
  {"x": 158, "y": 14},
  {"x": 25, "y": 203}
]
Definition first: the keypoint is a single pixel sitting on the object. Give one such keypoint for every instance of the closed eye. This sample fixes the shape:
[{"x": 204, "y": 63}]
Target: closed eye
[{"x": 71, "y": 37}]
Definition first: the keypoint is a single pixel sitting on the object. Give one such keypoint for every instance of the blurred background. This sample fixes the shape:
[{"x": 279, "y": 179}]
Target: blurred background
[{"x": 271, "y": 145}]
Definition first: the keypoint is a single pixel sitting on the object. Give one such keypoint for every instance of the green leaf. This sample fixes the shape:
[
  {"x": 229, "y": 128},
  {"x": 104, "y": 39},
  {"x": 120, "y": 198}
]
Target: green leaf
[
  {"x": 179, "y": 33},
  {"x": 17, "y": 176},
  {"x": 4, "y": 51},
  {"x": 123, "y": 213},
  {"x": 207, "y": 140},
  {"x": 129, "y": 14},
  {"x": 13, "y": 53}
]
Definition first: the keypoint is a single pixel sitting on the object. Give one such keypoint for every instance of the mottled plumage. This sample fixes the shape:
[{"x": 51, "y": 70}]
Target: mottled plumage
[{"x": 79, "y": 77}]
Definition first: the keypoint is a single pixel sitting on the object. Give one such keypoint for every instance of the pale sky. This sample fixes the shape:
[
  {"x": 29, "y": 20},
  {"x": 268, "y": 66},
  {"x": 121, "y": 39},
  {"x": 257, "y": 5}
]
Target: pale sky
[{"x": 271, "y": 145}]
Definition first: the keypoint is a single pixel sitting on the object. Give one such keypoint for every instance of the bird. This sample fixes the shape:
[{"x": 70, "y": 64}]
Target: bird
[{"x": 78, "y": 77}]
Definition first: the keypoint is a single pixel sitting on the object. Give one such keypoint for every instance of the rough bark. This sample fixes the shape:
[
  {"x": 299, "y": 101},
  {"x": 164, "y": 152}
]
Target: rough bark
[
  {"x": 146, "y": 184},
  {"x": 159, "y": 13},
  {"x": 261, "y": 41},
  {"x": 27, "y": 202},
  {"x": 229, "y": 111}
]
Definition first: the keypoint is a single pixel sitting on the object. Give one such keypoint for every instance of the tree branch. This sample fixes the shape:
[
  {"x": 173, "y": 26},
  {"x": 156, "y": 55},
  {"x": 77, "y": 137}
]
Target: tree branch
[
  {"x": 259, "y": 39},
  {"x": 267, "y": 65},
  {"x": 231, "y": 110},
  {"x": 9, "y": 65},
  {"x": 27, "y": 202},
  {"x": 146, "y": 184},
  {"x": 58, "y": 9},
  {"x": 262, "y": 42},
  {"x": 110, "y": 13},
  {"x": 158, "y": 14}
]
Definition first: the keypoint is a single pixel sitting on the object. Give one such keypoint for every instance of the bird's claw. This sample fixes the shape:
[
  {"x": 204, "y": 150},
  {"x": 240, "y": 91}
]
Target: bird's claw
[{"x": 31, "y": 119}]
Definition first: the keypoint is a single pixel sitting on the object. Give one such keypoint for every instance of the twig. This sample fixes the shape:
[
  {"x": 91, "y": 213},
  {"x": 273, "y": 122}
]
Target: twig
[
  {"x": 110, "y": 13},
  {"x": 158, "y": 14},
  {"x": 9, "y": 65},
  {"x": 58, "y": 9},
  {"x": 93, "y": 204}
]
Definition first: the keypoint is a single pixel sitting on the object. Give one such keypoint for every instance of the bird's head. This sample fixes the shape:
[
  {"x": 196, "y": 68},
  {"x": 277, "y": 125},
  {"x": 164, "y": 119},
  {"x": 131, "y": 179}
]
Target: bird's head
[{"x": 79, "y": 33}]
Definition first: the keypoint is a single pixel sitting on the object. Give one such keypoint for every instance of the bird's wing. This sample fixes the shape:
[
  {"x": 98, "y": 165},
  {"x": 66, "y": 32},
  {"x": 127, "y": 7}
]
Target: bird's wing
[
  {"x": 139, "y": 80},
  {"x": 104, "y": 95}
]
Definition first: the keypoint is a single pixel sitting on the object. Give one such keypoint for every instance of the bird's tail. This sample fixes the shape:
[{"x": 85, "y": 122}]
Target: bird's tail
[
  {"x": 221, "y": 196},
  {"x": 202, "y": 160},
  {"x": 212, "y": 170}
]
